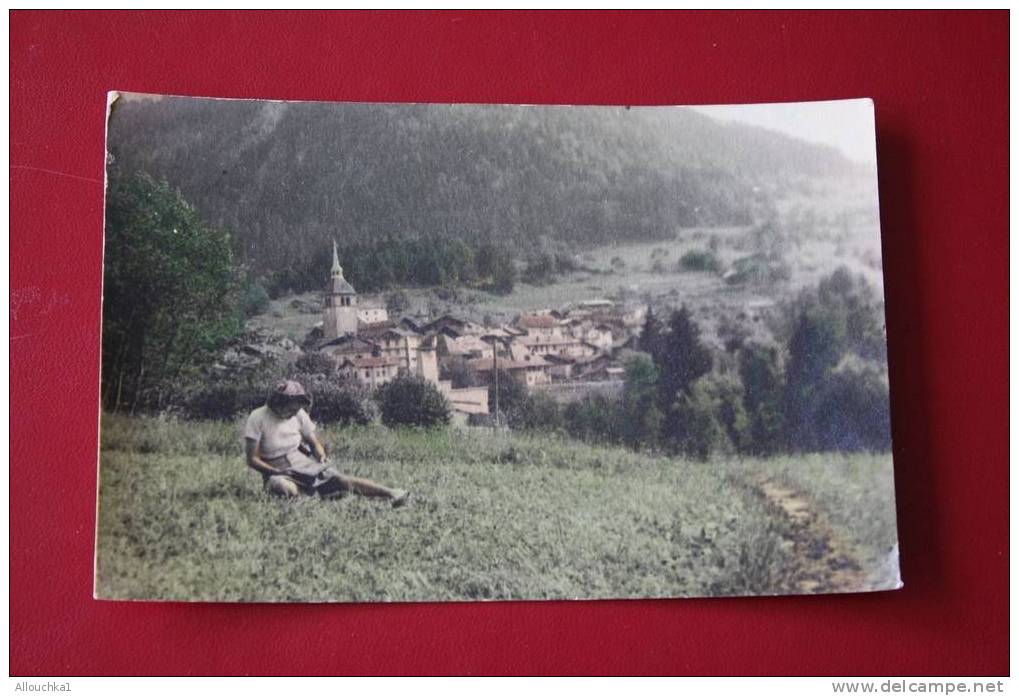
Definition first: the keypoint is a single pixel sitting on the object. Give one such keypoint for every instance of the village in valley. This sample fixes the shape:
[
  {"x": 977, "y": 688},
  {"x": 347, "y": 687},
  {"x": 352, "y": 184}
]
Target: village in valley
[{"x": 567, "y": 352}]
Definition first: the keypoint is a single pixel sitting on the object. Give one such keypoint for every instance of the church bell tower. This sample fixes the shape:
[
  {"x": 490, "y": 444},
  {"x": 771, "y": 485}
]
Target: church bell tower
[{"x": 340, "y": 303}]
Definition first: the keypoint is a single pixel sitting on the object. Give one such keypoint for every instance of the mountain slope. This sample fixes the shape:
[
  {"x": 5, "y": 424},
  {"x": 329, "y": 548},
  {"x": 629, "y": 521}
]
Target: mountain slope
[{"x": 288, "y": 177}]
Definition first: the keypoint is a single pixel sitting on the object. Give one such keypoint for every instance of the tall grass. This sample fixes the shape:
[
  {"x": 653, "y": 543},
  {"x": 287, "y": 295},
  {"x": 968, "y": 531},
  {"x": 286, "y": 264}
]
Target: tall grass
[{"x": 492, "y": 516}]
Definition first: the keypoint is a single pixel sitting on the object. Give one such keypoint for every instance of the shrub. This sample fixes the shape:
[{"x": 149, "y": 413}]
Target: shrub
[
  {"x": 537, "y": 411},
  {"x": 593, "y": 418},
  {"x": 315, "y": 363},
  {"x": 409, "y": 400},
  {"x": 700, "y": 260},
  {"x": 256, "y": 298},
  {"x": 338, "y": 402},
  {"x": 225, "y": 399},
  {"x": 758, "y": 269},
  {"x": 566, "y": 263}
]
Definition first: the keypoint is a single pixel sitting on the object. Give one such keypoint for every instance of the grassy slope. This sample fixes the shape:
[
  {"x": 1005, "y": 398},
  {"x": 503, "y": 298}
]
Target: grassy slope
[{"x": 494, "y": 515}]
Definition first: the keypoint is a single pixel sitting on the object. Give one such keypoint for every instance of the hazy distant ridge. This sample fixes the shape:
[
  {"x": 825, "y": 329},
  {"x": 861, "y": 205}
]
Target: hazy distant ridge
[{"x": 304, "y": 173}]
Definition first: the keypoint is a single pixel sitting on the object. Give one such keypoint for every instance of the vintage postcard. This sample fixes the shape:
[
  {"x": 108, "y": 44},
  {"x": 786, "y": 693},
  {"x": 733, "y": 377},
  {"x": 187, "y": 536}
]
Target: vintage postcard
[{"x": 417, "y": 352}]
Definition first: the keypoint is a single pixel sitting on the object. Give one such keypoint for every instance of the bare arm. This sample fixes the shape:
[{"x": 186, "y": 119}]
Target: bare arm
[
  {"x": 317, "y": 447},
  {"x": 254, "y": 458}
]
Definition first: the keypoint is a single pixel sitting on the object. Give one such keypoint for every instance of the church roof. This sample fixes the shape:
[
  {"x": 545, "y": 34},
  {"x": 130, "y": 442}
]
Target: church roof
[{"x": 339, "y": 286}]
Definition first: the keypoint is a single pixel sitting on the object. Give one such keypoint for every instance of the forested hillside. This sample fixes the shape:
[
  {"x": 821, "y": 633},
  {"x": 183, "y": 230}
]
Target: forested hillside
[{"x": 285, "y": 178}]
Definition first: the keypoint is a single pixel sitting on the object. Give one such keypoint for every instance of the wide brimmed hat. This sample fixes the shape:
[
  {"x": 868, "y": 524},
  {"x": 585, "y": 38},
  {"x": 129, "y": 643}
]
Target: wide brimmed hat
[{"x": 290, "y": 390}]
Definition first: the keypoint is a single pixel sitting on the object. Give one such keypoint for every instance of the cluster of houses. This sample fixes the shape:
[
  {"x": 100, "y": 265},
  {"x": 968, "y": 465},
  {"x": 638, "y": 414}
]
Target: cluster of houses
[{"x": 555, "y": 349}]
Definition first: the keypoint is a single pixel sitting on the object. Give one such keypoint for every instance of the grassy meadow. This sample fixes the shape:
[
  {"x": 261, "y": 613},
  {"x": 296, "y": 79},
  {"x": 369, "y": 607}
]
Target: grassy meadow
[{"x": 493, "y": 515}]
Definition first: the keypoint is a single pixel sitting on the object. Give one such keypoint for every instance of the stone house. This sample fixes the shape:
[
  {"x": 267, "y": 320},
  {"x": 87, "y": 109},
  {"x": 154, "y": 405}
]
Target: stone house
[
  {"x": 368, "y": 371},
  {"x": 530, "y": 371}
]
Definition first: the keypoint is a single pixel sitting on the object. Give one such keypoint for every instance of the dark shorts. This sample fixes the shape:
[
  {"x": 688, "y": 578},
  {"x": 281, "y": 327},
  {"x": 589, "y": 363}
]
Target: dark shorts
[{"x": 311, "y": 477}]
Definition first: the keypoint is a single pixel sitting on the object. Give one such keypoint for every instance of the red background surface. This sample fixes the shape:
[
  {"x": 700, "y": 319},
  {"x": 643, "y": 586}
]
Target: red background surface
[{"x": 940, "y": 83}]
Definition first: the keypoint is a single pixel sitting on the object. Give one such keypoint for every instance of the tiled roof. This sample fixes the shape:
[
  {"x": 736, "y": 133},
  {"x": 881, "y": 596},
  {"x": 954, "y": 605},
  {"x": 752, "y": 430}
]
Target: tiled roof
[
  {"x": 485, "y": 364},
  {"x": 548, "y": 340},
  {"x": 537, "y": 321},
  {"x": 369, "y": 362}
]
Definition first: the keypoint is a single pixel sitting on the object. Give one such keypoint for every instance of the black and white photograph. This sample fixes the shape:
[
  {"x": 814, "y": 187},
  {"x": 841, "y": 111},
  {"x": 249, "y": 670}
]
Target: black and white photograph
[{"x": 372, "y": 352}]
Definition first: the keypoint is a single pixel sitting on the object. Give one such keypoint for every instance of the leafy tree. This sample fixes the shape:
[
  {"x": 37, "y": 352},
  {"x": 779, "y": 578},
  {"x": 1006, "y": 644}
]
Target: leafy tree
[
  {"x": 692, "y": 426},
  {"x": 488, "y": 260},
  {"x": 858, "y": 311},
  {"x": 460, "y": 375},
  {"x": 761, "y": 375},
  {"x": 726, "y": 392},
  {"x": 510, "y": 394},
  {"x": 851, "y": 305},
  {"x": 410, "y": 400},
  {"x": 650, "y": 340},
  {"x": 171, "y": 291},
  {"x": 397, "y": 303},
  {"x": 814, "y": 350},
  {"x": 733, "y": 333},
  {"x": 834, "y": 332},
  {"x": 541, "y": 268},
  {"x": 682, "y": 359},
  {"x": 641, "y": 418},
  {"x": 852, "y": 410},
  {"x": 505, "y": 277}
]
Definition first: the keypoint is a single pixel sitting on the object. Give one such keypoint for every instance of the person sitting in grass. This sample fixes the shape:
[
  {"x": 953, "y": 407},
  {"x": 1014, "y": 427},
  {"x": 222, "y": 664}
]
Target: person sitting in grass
[{"x": 278, "y": 439}]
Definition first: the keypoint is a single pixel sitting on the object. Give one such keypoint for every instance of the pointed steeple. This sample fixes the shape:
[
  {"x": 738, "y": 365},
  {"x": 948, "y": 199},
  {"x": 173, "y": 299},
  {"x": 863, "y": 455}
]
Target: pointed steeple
[{"x": 337, "y": 271}]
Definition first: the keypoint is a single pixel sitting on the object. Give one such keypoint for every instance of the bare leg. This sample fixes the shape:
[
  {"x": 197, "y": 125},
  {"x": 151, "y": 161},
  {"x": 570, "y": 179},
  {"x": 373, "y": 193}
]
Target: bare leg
[
  {"x": 282, "y": 486},
  {"x": 370, "y": 489},
  {"x": 367, "y": 488}
]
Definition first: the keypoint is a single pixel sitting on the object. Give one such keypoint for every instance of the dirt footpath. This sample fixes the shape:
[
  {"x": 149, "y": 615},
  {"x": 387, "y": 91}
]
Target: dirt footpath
[{"x": 825, "y": 560}]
